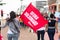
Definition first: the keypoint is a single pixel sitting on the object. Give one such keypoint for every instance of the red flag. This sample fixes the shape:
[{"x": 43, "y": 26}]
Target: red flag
[
  {"x": 1, "y": 37},
  {"x": 33, "y": 18}
]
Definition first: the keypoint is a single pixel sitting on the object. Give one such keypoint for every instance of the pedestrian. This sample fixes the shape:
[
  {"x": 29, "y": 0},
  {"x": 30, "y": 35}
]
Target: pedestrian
[
  {"x": 14, "y": 27},
  {"x": 57, "y": 15},
  {"x": 41, "y": 31},
  {"x": 52, "y": 27}
]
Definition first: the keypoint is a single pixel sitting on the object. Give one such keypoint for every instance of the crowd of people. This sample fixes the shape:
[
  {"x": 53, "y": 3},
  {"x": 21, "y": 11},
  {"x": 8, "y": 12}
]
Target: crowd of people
[{"x": 51, "y": 28}]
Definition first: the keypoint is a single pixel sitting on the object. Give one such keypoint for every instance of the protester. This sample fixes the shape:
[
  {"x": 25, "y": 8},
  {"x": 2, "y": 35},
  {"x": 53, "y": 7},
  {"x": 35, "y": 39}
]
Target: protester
[
  {"x": 41, "y": 31},
  {"x": 57, "y": 15},
  {"x": 14, "y": 26},
  {"x": 52, "y": 27}
]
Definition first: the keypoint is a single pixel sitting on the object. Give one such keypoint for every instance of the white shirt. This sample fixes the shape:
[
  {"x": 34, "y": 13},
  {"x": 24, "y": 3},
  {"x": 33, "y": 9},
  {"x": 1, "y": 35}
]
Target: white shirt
[
  {"x": 42, "y": 28},
  {"x": 9, "y": 31}
]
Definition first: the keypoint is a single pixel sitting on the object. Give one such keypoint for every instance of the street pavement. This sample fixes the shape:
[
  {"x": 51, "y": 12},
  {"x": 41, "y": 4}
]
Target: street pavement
[{"x": 25, "y": 34}]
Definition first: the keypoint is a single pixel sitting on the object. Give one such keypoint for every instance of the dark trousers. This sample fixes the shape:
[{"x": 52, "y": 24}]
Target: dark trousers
[
  {"x": 40, "y": 33},
  {"x": 51, "y": 33}
]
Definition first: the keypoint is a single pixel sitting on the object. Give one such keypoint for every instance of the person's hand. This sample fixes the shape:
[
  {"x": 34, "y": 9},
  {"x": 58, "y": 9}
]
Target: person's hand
[
  {"x": 56, "y": 31},
  {"x": 45, "y": 30}
]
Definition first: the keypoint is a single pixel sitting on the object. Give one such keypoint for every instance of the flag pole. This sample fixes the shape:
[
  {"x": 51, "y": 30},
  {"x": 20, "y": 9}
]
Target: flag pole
[{"x": 21, "y": 7}]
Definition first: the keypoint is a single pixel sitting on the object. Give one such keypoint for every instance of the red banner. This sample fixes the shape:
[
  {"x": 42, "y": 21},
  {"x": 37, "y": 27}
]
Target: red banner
[
  {"x": 1, "y": 37},
  {"x": 33, "y": 18}
]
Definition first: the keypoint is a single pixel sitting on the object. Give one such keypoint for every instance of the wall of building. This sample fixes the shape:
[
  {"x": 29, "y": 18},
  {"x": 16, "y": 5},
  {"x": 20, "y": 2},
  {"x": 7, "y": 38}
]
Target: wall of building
[
  {"x": 40, "y": 4},
  {"x": 51, "y": 2}
]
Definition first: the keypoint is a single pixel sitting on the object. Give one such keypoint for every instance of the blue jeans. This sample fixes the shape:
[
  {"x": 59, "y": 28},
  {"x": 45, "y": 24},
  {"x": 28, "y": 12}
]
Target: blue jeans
[
  {"x": 13, "y": 36},
  {"x": 51, "y": 33}
]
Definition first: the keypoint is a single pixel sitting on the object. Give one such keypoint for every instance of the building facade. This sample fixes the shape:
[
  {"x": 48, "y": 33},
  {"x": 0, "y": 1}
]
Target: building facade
[{"x": 40, "y": 5}]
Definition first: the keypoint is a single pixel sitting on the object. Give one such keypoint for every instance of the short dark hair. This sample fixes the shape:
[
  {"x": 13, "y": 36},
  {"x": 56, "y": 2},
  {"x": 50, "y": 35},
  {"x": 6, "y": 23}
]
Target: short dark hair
[{"x": 12, "y": 16}]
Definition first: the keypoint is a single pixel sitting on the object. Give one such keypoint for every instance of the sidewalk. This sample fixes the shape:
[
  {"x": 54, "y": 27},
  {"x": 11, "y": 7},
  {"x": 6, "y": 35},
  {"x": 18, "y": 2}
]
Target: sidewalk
[{"x": 26, "y": 35}]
